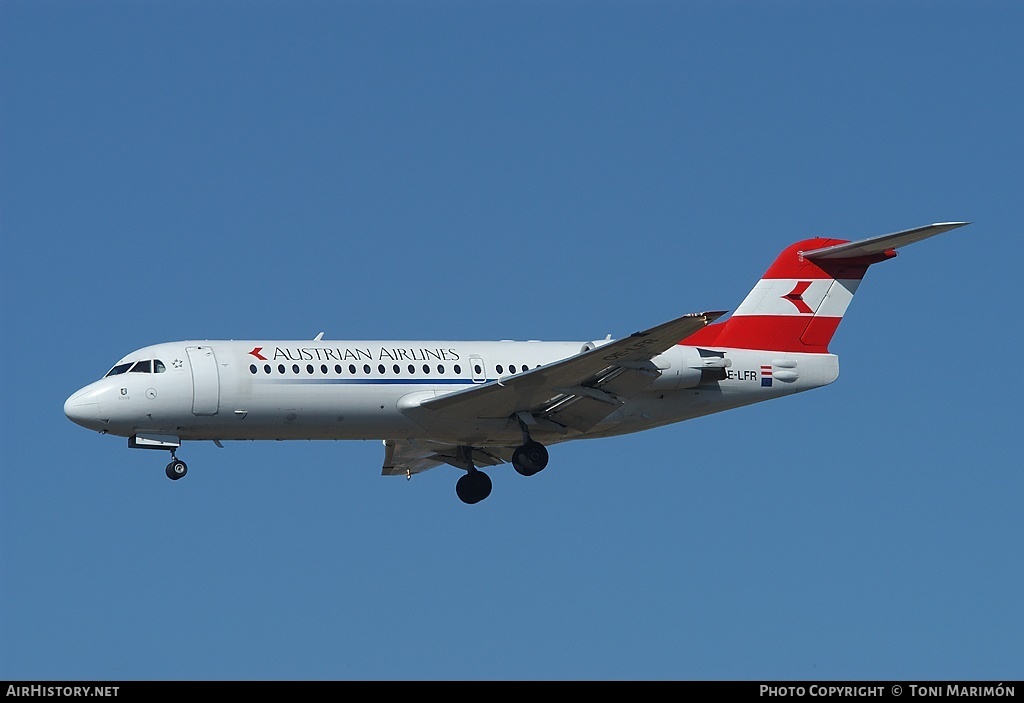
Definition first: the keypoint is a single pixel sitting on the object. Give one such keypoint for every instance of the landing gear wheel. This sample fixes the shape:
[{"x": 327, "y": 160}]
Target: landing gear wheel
[
  {"x": 473, "y": 487},
  {"x": 530, "y": 458},
  {"x": 176, "y": 469}
]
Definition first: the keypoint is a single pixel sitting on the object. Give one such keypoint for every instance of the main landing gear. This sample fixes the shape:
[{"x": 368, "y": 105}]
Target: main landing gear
[
  {"x": 531, "y": 457},
  {"x": 475, "y": 485},
  {"x": 176, "y": 469},
  {"x": 528, "y": 459}
]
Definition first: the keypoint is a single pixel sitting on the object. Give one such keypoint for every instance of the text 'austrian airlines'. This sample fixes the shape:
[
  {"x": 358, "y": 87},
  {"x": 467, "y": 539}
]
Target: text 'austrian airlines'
[{"x": 478, "y": 404}]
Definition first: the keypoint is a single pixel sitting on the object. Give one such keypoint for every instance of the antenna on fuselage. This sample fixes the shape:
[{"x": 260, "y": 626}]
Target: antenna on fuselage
[{"x": 318, "y": 337}]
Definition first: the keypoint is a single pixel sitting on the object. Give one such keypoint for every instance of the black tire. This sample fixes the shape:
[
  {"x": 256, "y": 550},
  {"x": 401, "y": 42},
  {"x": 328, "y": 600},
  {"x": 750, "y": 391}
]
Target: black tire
[
  {"x": 176, "y": 469},
  {"x": 529, "y": 459},
  {"x": 473, "y": 487}
]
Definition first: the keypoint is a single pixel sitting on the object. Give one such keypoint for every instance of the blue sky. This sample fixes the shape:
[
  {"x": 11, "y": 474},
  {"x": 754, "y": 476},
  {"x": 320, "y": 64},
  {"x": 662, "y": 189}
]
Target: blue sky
[{"x": 531, "y": 170}]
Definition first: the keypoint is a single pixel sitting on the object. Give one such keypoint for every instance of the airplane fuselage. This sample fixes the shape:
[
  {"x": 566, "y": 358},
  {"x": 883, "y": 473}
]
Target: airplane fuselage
[{"x": 248, "y": 390}]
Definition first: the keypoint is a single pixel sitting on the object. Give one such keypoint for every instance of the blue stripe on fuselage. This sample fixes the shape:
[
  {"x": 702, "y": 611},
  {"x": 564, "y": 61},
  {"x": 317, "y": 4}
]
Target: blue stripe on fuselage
[{"x": 369, "y": 381}]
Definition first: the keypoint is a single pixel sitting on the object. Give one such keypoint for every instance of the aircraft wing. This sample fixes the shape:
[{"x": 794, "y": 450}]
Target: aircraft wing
[
  {"x": 578, "y": 392},
  {"x": 407, "y": 457}
]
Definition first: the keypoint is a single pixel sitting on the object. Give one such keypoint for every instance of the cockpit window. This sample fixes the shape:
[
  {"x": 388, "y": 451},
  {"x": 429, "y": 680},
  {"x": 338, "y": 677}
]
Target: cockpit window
[
  {"x": 119, "y": 369},
  {"x": 144, "y": 366}
]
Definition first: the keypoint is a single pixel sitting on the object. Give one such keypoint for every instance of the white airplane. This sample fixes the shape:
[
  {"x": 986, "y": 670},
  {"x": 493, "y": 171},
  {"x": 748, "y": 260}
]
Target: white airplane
[{"x": 473, "y": 404}]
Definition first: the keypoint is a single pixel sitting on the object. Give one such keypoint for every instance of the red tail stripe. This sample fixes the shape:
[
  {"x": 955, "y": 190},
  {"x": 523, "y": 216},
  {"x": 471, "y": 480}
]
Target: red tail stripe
[{"x": 773, "y": 332}]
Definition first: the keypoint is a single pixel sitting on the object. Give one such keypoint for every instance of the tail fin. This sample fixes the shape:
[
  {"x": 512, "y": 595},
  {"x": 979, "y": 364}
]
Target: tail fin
[{"x": 798, "y": 303}]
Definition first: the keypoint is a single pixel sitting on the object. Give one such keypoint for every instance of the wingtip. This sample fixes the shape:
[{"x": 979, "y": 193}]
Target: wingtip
[{"x": 708, "y": 317}]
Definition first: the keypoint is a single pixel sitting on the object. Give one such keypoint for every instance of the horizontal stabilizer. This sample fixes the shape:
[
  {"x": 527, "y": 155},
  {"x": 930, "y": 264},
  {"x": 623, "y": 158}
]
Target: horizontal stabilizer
[{"x": 878, "y": 245}]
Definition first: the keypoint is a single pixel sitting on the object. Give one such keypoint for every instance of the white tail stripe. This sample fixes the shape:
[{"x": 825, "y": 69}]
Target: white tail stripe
[{"x": 792, "y": 296}]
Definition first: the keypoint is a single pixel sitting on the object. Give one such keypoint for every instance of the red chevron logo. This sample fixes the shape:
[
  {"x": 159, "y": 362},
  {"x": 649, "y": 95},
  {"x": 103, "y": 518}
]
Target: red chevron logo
[
  {"x": 256, "y": 352},
  {"x": 796, "y": 296}
]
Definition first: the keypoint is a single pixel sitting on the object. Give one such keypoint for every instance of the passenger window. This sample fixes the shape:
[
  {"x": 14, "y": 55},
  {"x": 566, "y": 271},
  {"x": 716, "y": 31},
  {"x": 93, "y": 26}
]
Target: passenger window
[
  {"x": 458, "y": 369},
  {"x": 158, "y": 366},
  {"x": 499, "y": 368},
  {"x": 323, "y": 369},
  {"x": 266, "y": 368},
  {"x": 280, "y": 368},
  {"x": 426, "y": 368},
  {"x": 337, "y": 369},
  {"x": 295, "y": 368},
  {"x": 398, "y": 369},
  {"x": 366, "y": 368},
  {"x": 412, "y": 369}
]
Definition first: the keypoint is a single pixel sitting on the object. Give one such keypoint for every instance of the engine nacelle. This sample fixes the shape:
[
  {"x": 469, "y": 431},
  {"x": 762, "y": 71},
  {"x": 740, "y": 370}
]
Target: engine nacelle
[
  {"x": 594, "y": 345},
  {"x": 686, "y": 367}
]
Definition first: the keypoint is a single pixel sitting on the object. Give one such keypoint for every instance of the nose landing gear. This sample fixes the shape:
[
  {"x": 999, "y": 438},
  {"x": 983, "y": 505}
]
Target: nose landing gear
[{"x": 176, "y": 469}]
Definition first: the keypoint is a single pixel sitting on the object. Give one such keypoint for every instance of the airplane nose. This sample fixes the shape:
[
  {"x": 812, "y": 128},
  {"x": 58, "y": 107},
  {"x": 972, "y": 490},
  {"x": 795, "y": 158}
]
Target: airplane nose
[{"x": 82, "y": 409}]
